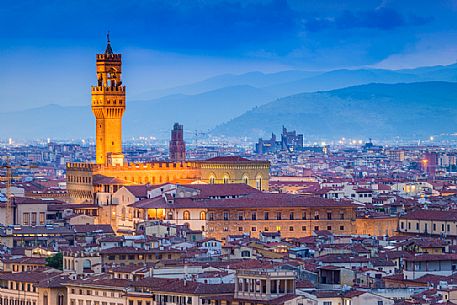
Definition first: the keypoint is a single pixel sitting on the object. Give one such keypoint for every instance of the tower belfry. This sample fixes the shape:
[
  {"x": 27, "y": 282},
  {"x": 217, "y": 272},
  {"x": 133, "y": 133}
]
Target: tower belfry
[{"x": 108, "y": 106}]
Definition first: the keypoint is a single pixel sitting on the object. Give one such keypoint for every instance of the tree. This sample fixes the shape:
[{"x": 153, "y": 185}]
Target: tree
[{"x": 55, "y": 261}]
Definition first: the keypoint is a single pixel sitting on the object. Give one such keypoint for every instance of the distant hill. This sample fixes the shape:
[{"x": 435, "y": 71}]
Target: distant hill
[
  {"x": 290, "y": 82},
  {"x": 206, "y": 104},
  {"x": 253, "y": 79},
  {"x": 382, "y": 110},
  {"x": 154, "y": 117}
]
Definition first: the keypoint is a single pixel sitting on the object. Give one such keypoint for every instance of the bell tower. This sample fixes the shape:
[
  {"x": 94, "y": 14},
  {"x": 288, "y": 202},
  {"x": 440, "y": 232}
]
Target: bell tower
[{"x": 108, "y": 106}]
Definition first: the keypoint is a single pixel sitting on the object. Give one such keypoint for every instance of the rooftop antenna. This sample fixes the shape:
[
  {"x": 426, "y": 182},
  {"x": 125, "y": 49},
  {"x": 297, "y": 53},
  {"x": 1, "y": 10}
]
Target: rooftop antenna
[{"x": 108, "y": 50}]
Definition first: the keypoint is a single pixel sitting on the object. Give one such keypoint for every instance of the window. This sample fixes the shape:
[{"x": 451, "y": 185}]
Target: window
[
  {"x": 266, "y": 216},
  {"x": 186, "y": 215},
  {"x": 341, "y": 228},
  {"x": 342, "y": 215},
  {"x": 303, "y": 228},
  {"x": 202, "y": 215},
  {"x": 123, "y": 214},
  {"x": 329, "y": 228},
  {"x": 240, "y": 229},
  {"x": 448, "y": 228},
  {"x": 211, "y": 216},
  {"x": 316, "y": 215},
  {"x": 33, "y": 219},
  {"x": 291, "y": 228},
  {"x": 240, "y": 215},
  {"x": 316, "y": 228},
  {"x": 402, "y": 225},
  {"x": 328, "y": 303},
  {"x": 278, "y": 228},
  {"x": 329, "y": 215},
  {"x": 253, "y": 229},
  {"x": 258, "y": 183},
  {"x": 42, "y": 218},
  {"x": 417, "y": 226},
  {"x": 254, "y": 216},
  {"x": 380, "y": 302},
  {"x": 226, "y": 215},
  {"x": 245, "y": 253},
  {"x": 278, "y": 215},
  {"x": 26, "y": 219},
  {"x": 291, "y": 216},
  {"x": 434, "y": 227},
  {"x": 303, "y": 216}
]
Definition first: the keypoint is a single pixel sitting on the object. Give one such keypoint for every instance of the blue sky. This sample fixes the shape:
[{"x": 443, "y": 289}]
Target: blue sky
[{"x": 47, "y": 47}]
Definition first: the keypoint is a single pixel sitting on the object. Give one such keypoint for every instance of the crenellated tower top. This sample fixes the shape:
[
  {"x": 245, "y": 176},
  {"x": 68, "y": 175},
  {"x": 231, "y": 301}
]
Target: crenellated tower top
[{"x": 108, "y": 106}]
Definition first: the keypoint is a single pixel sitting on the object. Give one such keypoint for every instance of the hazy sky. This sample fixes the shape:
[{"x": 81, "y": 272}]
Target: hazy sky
[{"x": 47, "y": 48}]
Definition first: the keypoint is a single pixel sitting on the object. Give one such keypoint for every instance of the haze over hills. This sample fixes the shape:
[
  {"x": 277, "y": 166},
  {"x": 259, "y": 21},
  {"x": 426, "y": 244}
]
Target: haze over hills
[
  {"x": 381, "y": 110},
  {"x": 206, "y": 104},
  {"x": 142, "y": 118},
  {"x": 295, "y": 81}
]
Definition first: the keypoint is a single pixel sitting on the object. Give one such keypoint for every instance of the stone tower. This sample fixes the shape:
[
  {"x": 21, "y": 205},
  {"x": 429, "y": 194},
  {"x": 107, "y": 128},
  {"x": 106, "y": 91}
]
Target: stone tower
[
  {"x": 177, "y": 145},
  {"x": 108, "y": 106}
]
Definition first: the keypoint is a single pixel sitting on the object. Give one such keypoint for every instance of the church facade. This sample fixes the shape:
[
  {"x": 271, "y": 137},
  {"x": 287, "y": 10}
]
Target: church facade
[{"x": 108, "y": 106}]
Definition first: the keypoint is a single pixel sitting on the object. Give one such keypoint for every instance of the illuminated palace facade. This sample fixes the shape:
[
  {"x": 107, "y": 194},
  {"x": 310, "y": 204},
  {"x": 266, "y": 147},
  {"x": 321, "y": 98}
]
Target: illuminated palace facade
[{"x": 108, "y": 106}]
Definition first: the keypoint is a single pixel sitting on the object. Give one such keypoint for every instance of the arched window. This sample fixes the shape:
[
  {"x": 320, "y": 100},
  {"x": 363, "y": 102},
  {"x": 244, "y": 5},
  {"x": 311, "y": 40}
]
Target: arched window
[
  {"x": 212, "y": 179},
  {"x": 226, "y": 179},
  {"x": 258, "y": 182},
  {"x": 202, "y": 215},
  {"x": 245, "y": 179},
  {"x": 186, "y": 215},
  {"x": 87, "y": 264}
]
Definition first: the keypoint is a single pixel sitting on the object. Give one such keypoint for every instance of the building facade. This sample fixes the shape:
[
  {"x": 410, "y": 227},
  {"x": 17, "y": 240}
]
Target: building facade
[{"x": 108, "y": 106}]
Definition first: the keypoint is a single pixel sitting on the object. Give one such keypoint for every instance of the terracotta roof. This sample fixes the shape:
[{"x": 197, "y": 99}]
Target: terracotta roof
[
  {"x": 26, "y": 260},
  {"x": 28, "y": 277},
  {"x": 184, "y": 287},
  {"x": 101, "y": 228},
  {"x": 218, "y": 190},
  {"x": 139, "y": 191},
  {"x": 101, "y": 281},
  {"x": 255, "y": 200},
  {"x": 432, "y": 257},
  {"x": 431, "y": 215}
]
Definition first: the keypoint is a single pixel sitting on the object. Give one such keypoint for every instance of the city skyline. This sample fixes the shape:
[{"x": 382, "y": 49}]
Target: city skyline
[{"x": 228, "y": 152}]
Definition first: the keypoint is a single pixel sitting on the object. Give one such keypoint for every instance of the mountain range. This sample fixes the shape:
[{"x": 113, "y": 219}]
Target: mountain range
[
  {"x": 374, "y": 110},
  {"x": 365, "y": 102}
]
